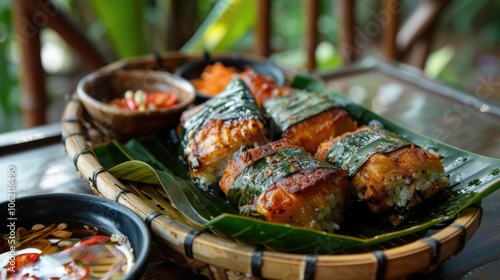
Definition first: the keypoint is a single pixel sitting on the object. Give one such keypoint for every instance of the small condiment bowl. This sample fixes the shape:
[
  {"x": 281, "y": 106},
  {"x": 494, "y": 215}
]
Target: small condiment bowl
[
  {"x": 194, "y": 69},
  {"x": 97, "y": 89},
  {"x": 106, "y": 215}
]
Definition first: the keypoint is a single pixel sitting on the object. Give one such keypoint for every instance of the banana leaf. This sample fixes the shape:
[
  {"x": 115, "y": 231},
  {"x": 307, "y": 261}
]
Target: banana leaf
[
  {"x": 353, "y": 150},
  {"x": 289, "y": 109},
  {"x": 152, "y": 150},
  {"x": 473, "y": 177},
  {"x": 234, "y": 102}
]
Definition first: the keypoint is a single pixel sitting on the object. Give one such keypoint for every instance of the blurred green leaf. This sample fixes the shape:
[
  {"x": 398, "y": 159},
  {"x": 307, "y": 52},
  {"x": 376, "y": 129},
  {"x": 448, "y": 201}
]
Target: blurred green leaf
[
  {"x": 10, "y": 118},
  {"x": 462, "y": 14},
  {"x": 328, "y": 56},
  {"x": 295, "y": 58},
  {"x": 4, "y": 64},
  {"x": 287, "y": 24},
  {"x": 125, "y": 25},
  {"x": 490, "y": 34},
  {"x": 438, "y": 60},
  {"x": 228, "y": 21}
]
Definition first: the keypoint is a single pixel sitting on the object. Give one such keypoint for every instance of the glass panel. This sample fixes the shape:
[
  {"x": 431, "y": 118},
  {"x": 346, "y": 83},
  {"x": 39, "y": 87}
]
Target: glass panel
[{"x": 453, "y": 122}]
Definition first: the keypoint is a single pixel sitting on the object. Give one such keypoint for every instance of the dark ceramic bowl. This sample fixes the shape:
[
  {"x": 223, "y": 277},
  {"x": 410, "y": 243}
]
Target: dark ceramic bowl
[
  {"x": 194, "y": 69},
  {"x": 107, "y": 215}
]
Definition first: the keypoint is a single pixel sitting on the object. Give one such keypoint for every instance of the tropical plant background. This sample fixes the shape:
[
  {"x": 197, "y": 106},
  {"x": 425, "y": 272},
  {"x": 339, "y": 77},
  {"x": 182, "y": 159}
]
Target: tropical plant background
[{"x": 467, "y": 43}]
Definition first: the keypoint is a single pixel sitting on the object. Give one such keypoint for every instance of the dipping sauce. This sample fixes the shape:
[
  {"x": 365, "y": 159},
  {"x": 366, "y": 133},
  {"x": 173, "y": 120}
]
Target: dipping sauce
[{"x": 65, "y": 251}]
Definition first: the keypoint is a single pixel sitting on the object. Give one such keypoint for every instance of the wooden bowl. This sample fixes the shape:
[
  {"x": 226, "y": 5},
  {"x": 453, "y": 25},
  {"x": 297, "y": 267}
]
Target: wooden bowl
[{"x": 98, "y": 88}]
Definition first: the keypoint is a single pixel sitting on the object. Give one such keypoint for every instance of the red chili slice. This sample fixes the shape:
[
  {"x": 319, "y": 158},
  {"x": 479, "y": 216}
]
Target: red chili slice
[
  {"x": 96, "y": 239},
  {"x": 23, "y": 260},
  {"x": 119, "y": 102},
  {"x": 131, "y": 104},
  {"x": 162, "y": 99}
]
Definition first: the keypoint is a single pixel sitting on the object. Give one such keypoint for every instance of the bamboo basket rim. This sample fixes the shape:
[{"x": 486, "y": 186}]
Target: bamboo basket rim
[{"x": 209, "y": 255}]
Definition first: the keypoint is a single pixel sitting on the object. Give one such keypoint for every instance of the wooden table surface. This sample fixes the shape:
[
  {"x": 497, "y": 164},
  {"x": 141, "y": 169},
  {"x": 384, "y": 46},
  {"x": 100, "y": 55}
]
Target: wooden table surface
[{"x": 391, "y": 91}]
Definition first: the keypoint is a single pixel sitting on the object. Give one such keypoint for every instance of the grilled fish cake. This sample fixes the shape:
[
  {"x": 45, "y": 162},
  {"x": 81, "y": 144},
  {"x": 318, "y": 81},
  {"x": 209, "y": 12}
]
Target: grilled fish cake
[
  {"x": 307, "y": 118},
  {"x": 387, "y": 171},
  {"x": 211, "y": 134},
  {"x": 282, "y": 183},
  {"x": 210, "y": 148},
  {"x": 310, "y": 132}
]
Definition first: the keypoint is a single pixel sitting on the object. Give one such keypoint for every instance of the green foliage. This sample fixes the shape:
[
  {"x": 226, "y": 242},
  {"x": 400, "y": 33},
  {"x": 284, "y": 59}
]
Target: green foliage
[
  {"x": 125, "y": 25},
  {"x": 287, "y": 24},
  {"x": 135, "y": 27},
  {"x": 475, "y": 29},
  {"x": 288, "y": 34},
  {"x": 10, "y": 118},
  {"x": 228, "y": 22}
]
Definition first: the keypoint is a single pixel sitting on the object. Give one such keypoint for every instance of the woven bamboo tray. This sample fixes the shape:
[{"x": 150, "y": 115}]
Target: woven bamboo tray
[{"x": 220, "y": 258}]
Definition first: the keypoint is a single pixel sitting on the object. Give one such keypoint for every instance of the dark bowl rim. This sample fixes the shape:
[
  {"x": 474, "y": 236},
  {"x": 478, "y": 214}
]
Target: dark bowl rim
[
  {"x": 141, "y": 255},
  {"x": 208, "y": 59}
]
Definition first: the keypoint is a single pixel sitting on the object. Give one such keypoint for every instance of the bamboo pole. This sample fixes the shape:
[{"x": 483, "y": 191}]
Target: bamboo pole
[
  {"x": 390, "y": 32},
  {"x": 348, "y": 22},
  {"x": 312, "y": 14},
  {"x": 34, "y": 101},
  {"x": 263, "y": 28},
  {"x": 48, "y": 14}
]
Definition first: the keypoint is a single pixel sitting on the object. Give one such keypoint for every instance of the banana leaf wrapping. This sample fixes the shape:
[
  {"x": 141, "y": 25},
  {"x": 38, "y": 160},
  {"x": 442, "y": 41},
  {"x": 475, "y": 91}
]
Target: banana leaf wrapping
[
  {"x": 212, "y": 134},
  {"x": 353, "y": 150},
  {"x": 281, "y": 182},
  {"x": 266, "y": 171},
  {"x": 308, "y": 118},
  {"x": 292, "y": 108},
  {"x": 387, "y": 171},
  {"x": 236, "y": 101}
]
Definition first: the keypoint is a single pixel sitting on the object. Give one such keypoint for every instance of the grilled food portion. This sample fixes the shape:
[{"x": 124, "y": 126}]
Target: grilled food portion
[
  {"x": 386, "y": 170},
  {"x": 211, "y": 134},
  {"x": 282, "y": 183},
  {"x": 262, "y": 87},
  {"x": 310, "y": 132},
  {"x": 307, "y": 118}
]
